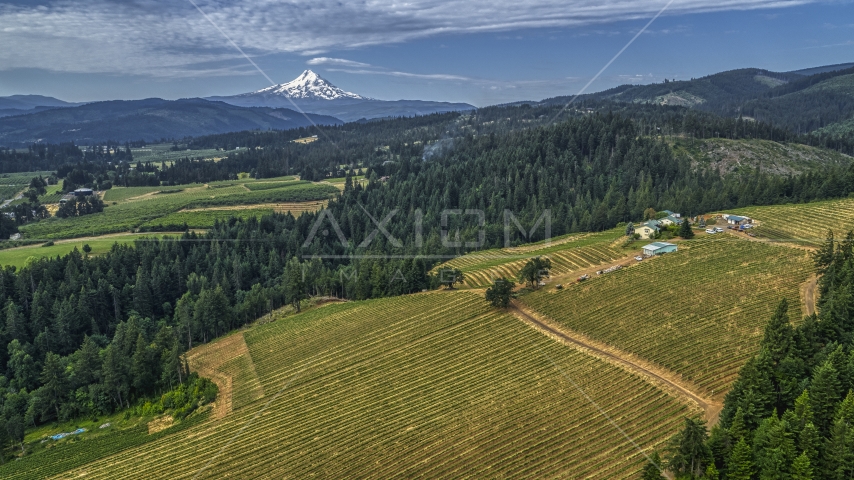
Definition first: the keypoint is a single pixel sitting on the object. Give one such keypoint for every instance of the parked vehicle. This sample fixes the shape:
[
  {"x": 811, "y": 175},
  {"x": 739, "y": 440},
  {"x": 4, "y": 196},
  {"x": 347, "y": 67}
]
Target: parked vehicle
[
  {"x": 719, "y": 229},
  {"x": 583, "y": 277},
  {"x": 711, "y": 231},
  {"x": 559, "y": 286},
  {"x": 639, "y": 258}
]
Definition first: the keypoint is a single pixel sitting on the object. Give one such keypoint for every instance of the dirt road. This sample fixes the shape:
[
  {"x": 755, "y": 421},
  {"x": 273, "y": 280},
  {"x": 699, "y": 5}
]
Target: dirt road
[
  {"x": 808, "y": 289},
  {"x": 660, "y": 376}
]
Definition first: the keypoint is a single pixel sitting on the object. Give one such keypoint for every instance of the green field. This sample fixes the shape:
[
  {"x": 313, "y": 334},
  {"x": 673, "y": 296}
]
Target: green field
[
  {"x": 805, "y": 224},
  {"x": 162, "y": 152},
  {"x": 432, "y": 385},
  {"x": 13, "y": 183},
  {"x": 130, "y": 208},
  {"x": 567, "y": 254},
  {"x": 19, "y": 256},
  {"x": 698, "y": 312}
]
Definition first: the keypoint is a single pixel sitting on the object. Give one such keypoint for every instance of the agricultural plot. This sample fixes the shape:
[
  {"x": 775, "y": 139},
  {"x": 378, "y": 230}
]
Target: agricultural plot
[
  {"x": 206, "y": 217},
  {"x": 430, "y": 385},
  {"x": 162, "y": 152},
  {"x": 567, "y": 254},
  {"x": 699, "y": 312},
  {"x": 13, "y": 183},
  {"x": 136, "y": 207},
  {"x": 19, "y": 256},
  {"x": 805, "y": 224}
]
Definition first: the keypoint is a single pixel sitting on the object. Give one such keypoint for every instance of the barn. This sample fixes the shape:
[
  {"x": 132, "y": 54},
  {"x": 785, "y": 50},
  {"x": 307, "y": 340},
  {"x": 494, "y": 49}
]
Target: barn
[{"x": 658, "y": 248}]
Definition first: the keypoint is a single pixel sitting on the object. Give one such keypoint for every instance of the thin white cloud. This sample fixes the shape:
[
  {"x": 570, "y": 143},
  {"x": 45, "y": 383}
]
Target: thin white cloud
[
  {"x": 170, "y": 38},
  {"x": 336, "y": 61},
  {"x": 392, "y": 73}
]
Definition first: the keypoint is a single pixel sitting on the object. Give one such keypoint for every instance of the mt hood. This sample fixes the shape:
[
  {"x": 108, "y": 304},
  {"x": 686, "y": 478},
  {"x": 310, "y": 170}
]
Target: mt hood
[
  {"x": 308, "y": 86},
  {"x": 312, "y": 93}
]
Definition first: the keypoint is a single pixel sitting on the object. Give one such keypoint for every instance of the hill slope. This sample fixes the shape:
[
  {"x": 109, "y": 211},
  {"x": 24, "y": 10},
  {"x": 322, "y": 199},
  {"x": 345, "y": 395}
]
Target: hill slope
[
  {"x": 149, "y": 119},
  {"x": 430, "y": 385}
]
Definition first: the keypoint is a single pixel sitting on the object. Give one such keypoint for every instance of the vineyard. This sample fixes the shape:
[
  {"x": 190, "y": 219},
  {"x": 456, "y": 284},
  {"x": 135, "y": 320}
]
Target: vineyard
[
  {"x": 13, "y": 183},
  {"x": 133, "y": 207},
  {"x": 699, "y": 312},
  {"x": 428, "y": 385},
  {"x": 567, "y": 254},
  {"x": 804, "y": 223}
]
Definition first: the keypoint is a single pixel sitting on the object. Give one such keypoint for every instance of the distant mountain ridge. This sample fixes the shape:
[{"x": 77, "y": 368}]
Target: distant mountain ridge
[
  {"x": 150, "y": 119},
  {"x": 24, "y": 104},
  {"x": 312, "y": 93}
]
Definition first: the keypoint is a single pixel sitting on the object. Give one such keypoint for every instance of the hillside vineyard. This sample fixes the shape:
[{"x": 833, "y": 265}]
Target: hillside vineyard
[{"x": 649, "y": 281}]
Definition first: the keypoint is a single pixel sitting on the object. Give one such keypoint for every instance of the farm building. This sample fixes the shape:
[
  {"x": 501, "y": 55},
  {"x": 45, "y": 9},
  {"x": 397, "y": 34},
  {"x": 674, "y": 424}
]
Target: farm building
[
  {"x": 737, "y": 220},
  {"x": 658, "y": 248},
  {"x": 80, "y": 192},
  {"x": 648, "y": 229},
  {"x": 671, "y": 220}
]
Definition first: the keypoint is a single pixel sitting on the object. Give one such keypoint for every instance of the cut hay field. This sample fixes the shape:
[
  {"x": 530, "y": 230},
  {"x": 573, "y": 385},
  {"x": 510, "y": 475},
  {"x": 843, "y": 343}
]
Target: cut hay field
[
  {"x": 568, "y": 254},
  {"x": 431, "y": 385},
  {"x": 699, "y": 312},
  {"x": 805, "y": 224},
  {"x": 131, "y": 208}
]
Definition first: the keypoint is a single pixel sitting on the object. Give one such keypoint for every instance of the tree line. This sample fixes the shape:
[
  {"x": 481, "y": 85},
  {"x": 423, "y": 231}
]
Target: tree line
[{"x": 790, "y": 413}]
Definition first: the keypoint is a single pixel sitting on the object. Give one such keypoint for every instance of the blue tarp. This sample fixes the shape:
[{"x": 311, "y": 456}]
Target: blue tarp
[{"x": 60, "y": 436}]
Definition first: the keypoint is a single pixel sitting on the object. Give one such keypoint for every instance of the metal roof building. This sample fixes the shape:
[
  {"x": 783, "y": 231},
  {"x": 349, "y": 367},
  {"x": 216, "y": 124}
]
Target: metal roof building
[{"x": 658, "y": 248}]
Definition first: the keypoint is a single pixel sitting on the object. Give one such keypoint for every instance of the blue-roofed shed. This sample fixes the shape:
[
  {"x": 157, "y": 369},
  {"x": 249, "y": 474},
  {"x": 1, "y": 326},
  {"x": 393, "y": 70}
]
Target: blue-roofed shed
[{"x": 658, "y": 248}]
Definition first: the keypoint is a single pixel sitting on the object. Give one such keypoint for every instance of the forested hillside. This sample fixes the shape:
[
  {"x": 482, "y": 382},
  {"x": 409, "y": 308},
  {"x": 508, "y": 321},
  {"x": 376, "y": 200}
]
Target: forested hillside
[
  {"x": 145, "y": 305},
  {"x": 791, "y": 412}
]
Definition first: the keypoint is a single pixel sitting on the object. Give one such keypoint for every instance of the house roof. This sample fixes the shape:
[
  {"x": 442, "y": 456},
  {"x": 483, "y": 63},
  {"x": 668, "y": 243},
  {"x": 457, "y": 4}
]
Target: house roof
[
  {"x": 669, "y": 212},
  {"x": 736, "y": 218},
  {"x": 673, "y": 219},
  {"x": 658, "y": 245},
  {"x": 651, "y": 224}
]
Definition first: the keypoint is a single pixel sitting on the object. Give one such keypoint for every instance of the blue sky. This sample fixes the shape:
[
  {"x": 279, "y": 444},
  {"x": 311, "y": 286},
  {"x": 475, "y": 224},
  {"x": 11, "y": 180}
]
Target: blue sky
[{"x": 477, "y": 51}]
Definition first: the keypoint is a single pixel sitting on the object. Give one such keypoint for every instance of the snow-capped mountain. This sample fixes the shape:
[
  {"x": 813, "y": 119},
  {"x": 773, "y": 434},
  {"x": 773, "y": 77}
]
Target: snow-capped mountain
[
  {"x": 308, "y": 86},
  {"x": 312, "y": 93}
]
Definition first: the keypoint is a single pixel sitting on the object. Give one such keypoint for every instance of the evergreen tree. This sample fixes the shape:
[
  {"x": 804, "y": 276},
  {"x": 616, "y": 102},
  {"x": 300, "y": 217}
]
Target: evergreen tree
[
  {"x": 779, "y": 334},
  {"x": 115, "y": 376},
  {"x": 824, "y": 396},
  {"x": 652, "y": 470},
  {"x": 142, "y": 368},
  {"x": 15, "y": 429},
  {"x": 87, "y": 368},
  {"x": 142, "y": 297},
  {"x": 809, "y": 442},
  {"x": 688, "y": 453},
  {"x": 802, "y": 468},
  {"x": 55, "y": 382},
  {"x": 740, "y": 465},
  {"x": 711, "y": 473},
  {"x": 685, "y": 230}
]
